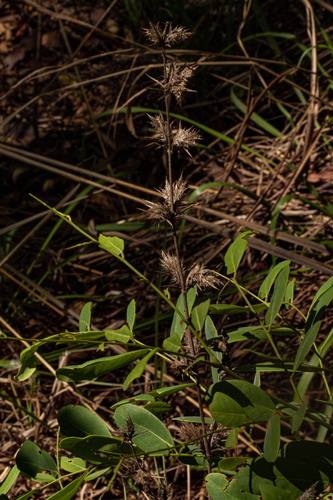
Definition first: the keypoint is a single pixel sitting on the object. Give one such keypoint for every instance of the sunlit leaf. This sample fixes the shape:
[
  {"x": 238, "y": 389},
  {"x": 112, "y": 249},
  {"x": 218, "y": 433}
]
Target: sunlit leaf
[
  {"x": 112, "y": 244},
  {"x": 85, "y": 317},
  {"x": 236, "y": 251}
]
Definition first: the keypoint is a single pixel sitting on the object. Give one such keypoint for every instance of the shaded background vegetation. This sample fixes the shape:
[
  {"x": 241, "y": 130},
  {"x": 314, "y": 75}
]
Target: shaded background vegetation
[{"x": 60, "y": 80}]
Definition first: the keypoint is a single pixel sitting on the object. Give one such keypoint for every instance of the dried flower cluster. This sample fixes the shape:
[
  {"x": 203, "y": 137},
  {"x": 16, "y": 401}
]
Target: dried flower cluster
[
  {"x": 144, "y": 479},
  {"x": 198, "y": 274},
  {"x": 309, "y": 494},
  {"x": 202, "y": 277},
  {"x": 184, "y": 138},
  {"x": 189, "y": 431},
  {"x": 164, "y": 212},
  {"x": 175, "y": 81},
  {"x": 178, "y": 366},
  {"x": 166, "y": 37}
]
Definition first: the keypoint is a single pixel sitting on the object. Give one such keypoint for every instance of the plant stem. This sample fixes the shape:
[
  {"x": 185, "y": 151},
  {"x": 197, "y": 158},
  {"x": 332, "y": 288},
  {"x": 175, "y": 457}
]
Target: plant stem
[{"x": 167, "y": 99}]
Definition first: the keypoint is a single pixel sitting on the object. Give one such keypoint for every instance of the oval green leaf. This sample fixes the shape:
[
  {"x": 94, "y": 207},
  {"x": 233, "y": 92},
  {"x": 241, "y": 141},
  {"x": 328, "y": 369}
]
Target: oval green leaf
[
  {"x": 266, "y": 285},
  {"x": 97, "y": 449},
  {"x": 235, "y": 403},
  {"x": 31, "y": 460},
  {"x": 199, "y": 314},
  {"x": 123, "y": 334},
  {"x": 111, "y": 244},
  {"x": 150, "y": 433},
  {"x": 98, "y": 367},
  {"x": 131, "y": 314},
  {"x": 138, "y": 369},
  {"x": 85, "y": 317},
  {"x": 78, "y": 421},
  {"x": 236, "y": 251},
  {"x": 75, "y": 464}
]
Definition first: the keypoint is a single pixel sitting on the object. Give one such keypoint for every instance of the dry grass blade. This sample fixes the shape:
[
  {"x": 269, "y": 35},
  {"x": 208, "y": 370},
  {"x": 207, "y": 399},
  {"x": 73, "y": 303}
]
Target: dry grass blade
[{"x": 265, "y": 247}]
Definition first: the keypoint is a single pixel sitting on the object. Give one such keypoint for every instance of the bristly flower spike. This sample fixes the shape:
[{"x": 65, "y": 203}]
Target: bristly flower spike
[
  {"x": 185, "y": 138},
  {"x": 166, "y": 37}
]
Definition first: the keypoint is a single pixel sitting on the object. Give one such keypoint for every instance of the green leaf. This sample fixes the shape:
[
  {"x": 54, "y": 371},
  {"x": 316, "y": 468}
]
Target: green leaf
[
  {"x": 131, "y": 314},
  {"x": 28, "y": 495},
  {"x": 150, "y": 434},
  {"x": 138, "y": 369},
  {"x": 235, "y": 403},
  {"x": 31, "y": 460},
  {"x": 288, "y": 474},
  {"x": 236, "y": 251},
  {"x": 272, "y": 439},
  {"x": 158, "y": 408},
  {"x": 123, "y": 334},
  {"x": 9, "y": 480},
  {"x": 195, "y": 420},
  {"x": 85, "y": 317},
  {"x": 97, "y": 449},
  {"x": 232, "y": 439},
  {"x": 326, "y": 286},
  {"x": 72, "y": 464},
  {"x": 168, "y": 391},
  {"x": 178, "y": 326},
  {"x": 271, "y": 492},
  {"x": 255, "y": 332},
  {"x": 28, "y": 362},
  {"x": 111, "y": 244},
  {"x": 298, "y": 418},
  {"x": 269, "y": 280},
  {"x": 312, "y": 325},
  {"x": 172, "y": 343},
  {"x": 138, "y": 397},
  {"x": 211, "y": 333},
  {"x": 215, "y": 485},
  {"x": 289, "y": 295},
  {"x": 237, "y": 493},
  {"x": 199, "y": 314},
  {"x": 314, "y": 361},
  {"x": 227, "y": 309},
  {"x": 311, "y": 453},
  {"x": 278, "y": 295},
  {"x": 98, "y": 367},
  {"x": 230, "y": 463},
  {"x": 69, "y": 491},
  {"x": 78, "y": 421},
  {"x": 97, "y": 473}
]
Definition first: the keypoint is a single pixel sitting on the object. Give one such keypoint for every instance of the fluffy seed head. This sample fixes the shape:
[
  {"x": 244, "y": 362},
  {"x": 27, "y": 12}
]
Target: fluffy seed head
[
  {"x": 202, "y": 277},
  {"x": 169, "y": 264}
]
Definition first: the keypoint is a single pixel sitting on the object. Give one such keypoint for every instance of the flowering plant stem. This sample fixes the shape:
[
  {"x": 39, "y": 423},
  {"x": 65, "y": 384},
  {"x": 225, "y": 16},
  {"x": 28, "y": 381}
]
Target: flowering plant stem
[{"x": 167, "y": 99}]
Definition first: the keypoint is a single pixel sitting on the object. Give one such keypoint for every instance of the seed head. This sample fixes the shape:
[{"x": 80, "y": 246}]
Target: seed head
[
  {"x": 202, "y": 277},
  {"x": 184, "y": 138},
  {"x": 166, "y": 37},
  {"x": 164, "y": 212},
  {"x": 159, "y": 124},
  {"x": 169, "y": 264}
]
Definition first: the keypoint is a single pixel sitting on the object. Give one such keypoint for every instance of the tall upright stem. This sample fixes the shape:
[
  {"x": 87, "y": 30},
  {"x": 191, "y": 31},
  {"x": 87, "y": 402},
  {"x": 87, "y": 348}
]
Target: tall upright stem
[{"x": 167, "y": 99}]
